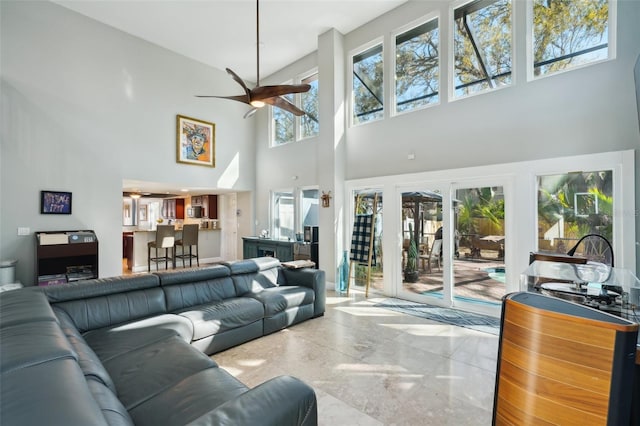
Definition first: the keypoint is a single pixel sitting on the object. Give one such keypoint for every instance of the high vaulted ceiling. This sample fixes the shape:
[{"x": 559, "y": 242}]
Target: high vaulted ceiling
[{"x": 222, "y": 33}]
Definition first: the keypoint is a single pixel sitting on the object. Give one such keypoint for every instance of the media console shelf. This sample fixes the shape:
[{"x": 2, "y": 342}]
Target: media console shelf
[{"x": 65, "y": 256}]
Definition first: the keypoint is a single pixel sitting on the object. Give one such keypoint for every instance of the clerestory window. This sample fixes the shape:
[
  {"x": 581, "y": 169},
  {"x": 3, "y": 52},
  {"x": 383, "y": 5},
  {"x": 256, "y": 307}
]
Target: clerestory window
[
  {"x": 482, "y": 38},
  {"x": 568, "y": 34},
  {"x": 368, "y": 99},
  {"x": 417, "y": 65},
  {"x": 283, "y": 124},
  {"x": 286, "y": 127},
  {"x": 309, "y": 124}
]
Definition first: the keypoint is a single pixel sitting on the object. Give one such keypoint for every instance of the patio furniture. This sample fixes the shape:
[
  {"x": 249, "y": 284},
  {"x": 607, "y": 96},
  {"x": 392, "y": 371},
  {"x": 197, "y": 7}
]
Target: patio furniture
[{"x": 434, "y": 254}]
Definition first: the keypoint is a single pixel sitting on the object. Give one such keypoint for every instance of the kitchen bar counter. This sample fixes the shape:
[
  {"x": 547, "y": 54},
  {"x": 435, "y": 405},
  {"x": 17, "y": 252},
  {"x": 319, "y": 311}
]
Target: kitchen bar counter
[{"x": 208, "y": 246}]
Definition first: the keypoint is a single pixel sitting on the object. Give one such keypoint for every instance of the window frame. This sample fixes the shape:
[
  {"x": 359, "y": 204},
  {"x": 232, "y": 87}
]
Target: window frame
[
  {"x": 298, "y": 197},
  {"x": 301, "y": 79},
  {"x": 451, "y": 65},
  {"x": 272, "y": 125},
  {"x": 361, "y": 49},
  {"x": 611, "y": 40},
  {"x": 433, "y": 16},
  {"x": 297, "y": 121},
  {"x": 272, "y": 211},
  {"x": 521, "y": 192}
]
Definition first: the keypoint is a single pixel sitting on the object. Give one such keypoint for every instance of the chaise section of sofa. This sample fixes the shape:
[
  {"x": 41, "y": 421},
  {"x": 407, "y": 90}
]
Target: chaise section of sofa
[
  {"x": 289, "y": 296},
  {"x": 221, "y": 318}
]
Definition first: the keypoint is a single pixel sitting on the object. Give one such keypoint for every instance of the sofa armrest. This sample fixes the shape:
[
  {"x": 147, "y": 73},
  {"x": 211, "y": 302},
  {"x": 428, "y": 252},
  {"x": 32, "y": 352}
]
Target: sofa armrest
[
  {"x": 281, "y": 401},
  {"x": 310, "y": 278}
]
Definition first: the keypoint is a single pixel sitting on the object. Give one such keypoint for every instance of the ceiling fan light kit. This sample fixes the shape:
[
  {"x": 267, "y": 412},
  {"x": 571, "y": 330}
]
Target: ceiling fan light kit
[{"x": 259, "y": 96}]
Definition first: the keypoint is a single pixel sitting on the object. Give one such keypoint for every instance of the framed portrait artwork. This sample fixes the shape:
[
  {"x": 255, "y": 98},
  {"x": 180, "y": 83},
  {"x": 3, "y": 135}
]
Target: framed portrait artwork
[
  {"x": 196, "y": 142},
  {"x": 55, "y": 202}
]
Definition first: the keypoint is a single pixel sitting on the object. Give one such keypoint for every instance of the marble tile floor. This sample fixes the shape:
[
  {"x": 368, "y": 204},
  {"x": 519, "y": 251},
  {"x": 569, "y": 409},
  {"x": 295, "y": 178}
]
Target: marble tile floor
[{"x": 372, "y": 366}]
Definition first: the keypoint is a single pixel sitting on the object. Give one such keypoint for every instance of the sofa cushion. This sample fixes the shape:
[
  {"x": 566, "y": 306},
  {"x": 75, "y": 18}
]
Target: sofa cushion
[
  {"x": 110, "y": 342},
  {"x": 112, "y": 409},
  {"x": 87, "y": 358},
  {"x": 24, "y": 305},
  {"x": 112, "y": 309},
  {"x": 189, "y": 399},
  {"x": 228, "y": 314},
  {"x": 227, "y": 339},
  {"x": 29, "y": 344},
  {"x": 253, "y": 275},
  {"x": 49, "y": 393},
  {"x": 86, "y": 289},
  {"x": 146, "y": 371},
  {"x": 279, "y": 299},
  {"x": 287, "y": 318},
  {"x": 295, "y": 401},
  {"x": 310, "y": 278},
  {"x": 193, "y": 287}
]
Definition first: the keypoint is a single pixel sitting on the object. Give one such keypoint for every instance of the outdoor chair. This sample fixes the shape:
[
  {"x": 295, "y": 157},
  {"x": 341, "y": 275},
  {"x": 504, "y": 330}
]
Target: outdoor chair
[{"x": 434, "y": 255}]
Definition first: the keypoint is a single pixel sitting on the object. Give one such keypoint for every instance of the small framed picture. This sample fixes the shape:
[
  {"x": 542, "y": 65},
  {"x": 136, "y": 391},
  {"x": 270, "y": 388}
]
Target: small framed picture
[
  {"x": 55, "y": 202},
  {"x": 196, "y": 142}
]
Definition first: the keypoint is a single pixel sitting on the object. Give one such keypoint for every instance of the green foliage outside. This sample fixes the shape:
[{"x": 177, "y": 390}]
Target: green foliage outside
[
  {"x": 566, "y": 33},
  {"x": 479, "y": 203},
  {"x": 412, "y": 252},
  {"x": 556, "y": 201}
]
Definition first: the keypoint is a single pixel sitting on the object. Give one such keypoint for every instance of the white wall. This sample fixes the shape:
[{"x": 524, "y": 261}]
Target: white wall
[{"x": 85, "y": 106}]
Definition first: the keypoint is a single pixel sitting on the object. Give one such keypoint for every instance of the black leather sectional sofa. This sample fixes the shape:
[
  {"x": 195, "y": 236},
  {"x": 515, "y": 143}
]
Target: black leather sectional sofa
[{"x": 133, "y": 350}]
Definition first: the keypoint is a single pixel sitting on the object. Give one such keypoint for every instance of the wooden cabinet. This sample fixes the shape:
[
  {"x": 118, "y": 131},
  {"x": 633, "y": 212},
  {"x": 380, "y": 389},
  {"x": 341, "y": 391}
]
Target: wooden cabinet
[
  {"x": 212, "y": 206},
  {"x": 127, "y": 248},
  {"x": 179, "y": 208},
  {"x": 173, "y": 208},
  {"x": 208, "y": 203},
  {"x": 249, "y": 249},
  {"x": 260, "y": 247},
  {"x": 64, "y": 256}
]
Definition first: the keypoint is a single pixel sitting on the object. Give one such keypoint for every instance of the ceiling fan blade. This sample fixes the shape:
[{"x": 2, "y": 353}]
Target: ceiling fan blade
[
  {"x": 238, "y": 80},
  {"x": 284, "y": 104},
  {"x": 250, "y": 113},
  {"x": 239, "y": 98},
  {"x": 262, "y": 92}
]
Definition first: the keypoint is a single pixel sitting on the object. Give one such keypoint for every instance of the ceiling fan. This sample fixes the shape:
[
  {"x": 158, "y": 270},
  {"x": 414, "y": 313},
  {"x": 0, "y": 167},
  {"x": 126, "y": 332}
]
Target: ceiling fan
[{"x": 259, "y": 96}]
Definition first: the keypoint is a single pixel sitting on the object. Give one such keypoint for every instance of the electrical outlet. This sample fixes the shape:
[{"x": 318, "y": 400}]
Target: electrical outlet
[{"x": 23, "y": 231}]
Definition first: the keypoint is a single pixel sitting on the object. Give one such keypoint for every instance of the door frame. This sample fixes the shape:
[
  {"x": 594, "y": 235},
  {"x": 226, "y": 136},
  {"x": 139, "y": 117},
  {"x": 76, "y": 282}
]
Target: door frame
[{"x": 519, "y": 183}]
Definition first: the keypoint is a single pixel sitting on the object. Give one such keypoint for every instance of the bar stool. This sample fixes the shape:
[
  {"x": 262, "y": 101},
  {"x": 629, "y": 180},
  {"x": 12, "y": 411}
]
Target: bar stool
[
  {"x": 190, "y": 239},
  {"x": 165, "y": 239}
]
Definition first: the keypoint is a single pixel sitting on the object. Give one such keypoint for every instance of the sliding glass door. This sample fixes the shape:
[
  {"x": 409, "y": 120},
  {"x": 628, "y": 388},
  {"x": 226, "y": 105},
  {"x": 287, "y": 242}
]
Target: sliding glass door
[
  {"x": 478, "y": 251},
  {"x": 422, "y": 248},
  {"x": 453, "y": 244}
]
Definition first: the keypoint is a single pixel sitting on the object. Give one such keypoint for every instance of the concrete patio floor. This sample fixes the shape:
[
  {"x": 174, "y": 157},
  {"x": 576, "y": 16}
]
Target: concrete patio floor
[{"x": 472, "y": 280}]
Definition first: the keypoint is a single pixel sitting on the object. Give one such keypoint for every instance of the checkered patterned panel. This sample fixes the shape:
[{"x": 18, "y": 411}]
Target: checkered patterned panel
[{"x": 363, "y": 230}]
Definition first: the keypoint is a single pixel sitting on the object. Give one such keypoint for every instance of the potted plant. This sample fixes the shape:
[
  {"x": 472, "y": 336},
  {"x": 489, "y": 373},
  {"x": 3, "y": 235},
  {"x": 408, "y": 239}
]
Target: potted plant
[{"x": 411, "y": 269}]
